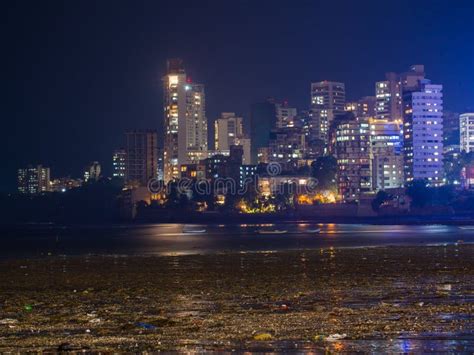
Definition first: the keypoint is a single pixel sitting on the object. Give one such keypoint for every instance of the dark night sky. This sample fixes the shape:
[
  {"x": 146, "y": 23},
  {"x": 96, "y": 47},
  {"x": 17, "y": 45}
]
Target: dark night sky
[{"x": 78, "y": 72}]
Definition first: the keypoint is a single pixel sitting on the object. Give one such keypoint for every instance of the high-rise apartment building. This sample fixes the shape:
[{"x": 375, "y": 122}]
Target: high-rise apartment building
[
  {"x": 262, "y": 121},
  {"x": 185, "y": 120},
  {"x": 34, "y": 180},
  {"x": 160, "y": 167},
  {"x": 386, "y": 153},
  {"x": 328, "y": 100},
  {"x": 119, "y": 159},
  {"x": 141, "y": 151},
  {"x": 410, "y": 79},
  {"x": 466, "y": 126},
  {"x": 388, "y": 95},
  {"x": 365, "y": 107},
  {"x": 353, "y": 154},
  {"x": 246, "y": 144},
  {"x": 227, "y": 129},
  {"x": 423, "y": 131},
  {"x": 286, "y": 147},
  {"x": 285, "y": 115},
  {"x": 451, "y": 128}
]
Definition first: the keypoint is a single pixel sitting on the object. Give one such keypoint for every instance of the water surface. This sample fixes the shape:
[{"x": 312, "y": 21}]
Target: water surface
[{"x": 166, "y": 239}]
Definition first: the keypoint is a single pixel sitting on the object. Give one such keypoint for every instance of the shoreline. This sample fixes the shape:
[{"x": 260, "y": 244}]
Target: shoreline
[{"x": 216, "y": 218}]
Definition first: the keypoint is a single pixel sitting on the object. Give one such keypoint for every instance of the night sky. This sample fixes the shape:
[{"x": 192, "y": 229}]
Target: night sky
[{"x": 78, "y": 73}]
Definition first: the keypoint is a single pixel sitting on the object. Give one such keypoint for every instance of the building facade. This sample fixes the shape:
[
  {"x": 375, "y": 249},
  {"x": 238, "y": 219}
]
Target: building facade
[
  {"x": 262, "y": 121},
  {"x": 353, "y": 153},
  {"x": 34, "y": 180},
  {"x": 65, "y": 183},
  {"x": 423, "y": 133},
  {"x": 388, "y": 95},
  {"x": 328, "y": 100},
  {"x": 365, "y": 107},
  {"x": 228, "y": 131},
  {"x": 451, "y": 128},
  {"x": 141, "y": 149},
  {"x": 386, "y": 153},
  {"x": 286, "y": 147},
  {"x": 410, "y": 80},
  {"x": 92, "y": 172},
  {"x": 119, "y": 159},
  {"x": 248, "y": 175},
  {"x": 286, "y": 116},
  {"x": 185, "y": 120},
  {"x": 466, "y": 127}
]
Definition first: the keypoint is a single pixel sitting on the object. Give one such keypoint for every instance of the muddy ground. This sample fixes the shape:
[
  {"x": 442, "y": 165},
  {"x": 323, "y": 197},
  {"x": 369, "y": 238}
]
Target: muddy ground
[{"x": 392, "y": 299}]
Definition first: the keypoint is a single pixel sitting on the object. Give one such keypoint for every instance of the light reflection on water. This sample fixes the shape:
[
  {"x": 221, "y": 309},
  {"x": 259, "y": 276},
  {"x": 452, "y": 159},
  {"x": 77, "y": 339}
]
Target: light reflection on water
[
  {"x": 419, "y": 345},
  {"x": 181, "y": 239}
]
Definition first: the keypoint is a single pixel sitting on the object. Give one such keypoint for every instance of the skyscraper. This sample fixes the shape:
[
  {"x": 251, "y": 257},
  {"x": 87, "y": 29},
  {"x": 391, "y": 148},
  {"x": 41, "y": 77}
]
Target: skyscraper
[
  {"x": 328, "y": 100},
  {"x": 423, "y": 132},
  {"x": 185, "y": 120},
  {"x": 466, "y": 124},
  {"x": 34, "y": 180},
  {"x": 262, "y": 121},
  {"x": 141, "y": 151}
]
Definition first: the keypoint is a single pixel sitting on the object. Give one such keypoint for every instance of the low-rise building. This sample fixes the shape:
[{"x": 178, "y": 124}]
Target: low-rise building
[
  {"x": 65, "y": 183},
  {"x": 248, "y": 175}
]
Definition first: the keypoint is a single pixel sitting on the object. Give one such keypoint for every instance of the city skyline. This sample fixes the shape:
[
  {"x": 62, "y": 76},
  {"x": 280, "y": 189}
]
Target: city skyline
[
  {"x": 237, "y": 176},
  {"x": 89, "y": 122}
]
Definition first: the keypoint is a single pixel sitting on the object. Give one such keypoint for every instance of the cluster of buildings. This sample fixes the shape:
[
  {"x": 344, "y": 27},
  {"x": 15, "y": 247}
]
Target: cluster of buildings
[
  {"x": 36, "y": 179},
  {"x": 381, "y": 142}
]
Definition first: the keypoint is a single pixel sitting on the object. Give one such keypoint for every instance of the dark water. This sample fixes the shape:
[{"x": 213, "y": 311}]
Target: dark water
[{"x": 177, "y": 239}]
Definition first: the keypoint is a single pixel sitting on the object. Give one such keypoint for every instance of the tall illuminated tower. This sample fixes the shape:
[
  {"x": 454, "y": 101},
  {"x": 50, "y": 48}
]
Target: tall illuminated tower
[
  {"x": 423, "y": 133},
  {"x": 328, "y": 100},
  {"x": 388, "y": 95},
  {"x": 185, "y": 120}
]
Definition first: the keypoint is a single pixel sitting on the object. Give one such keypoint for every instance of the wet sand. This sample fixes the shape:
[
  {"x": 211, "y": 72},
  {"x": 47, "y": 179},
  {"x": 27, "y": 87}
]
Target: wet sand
[{"x": 367, "y": 299}]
